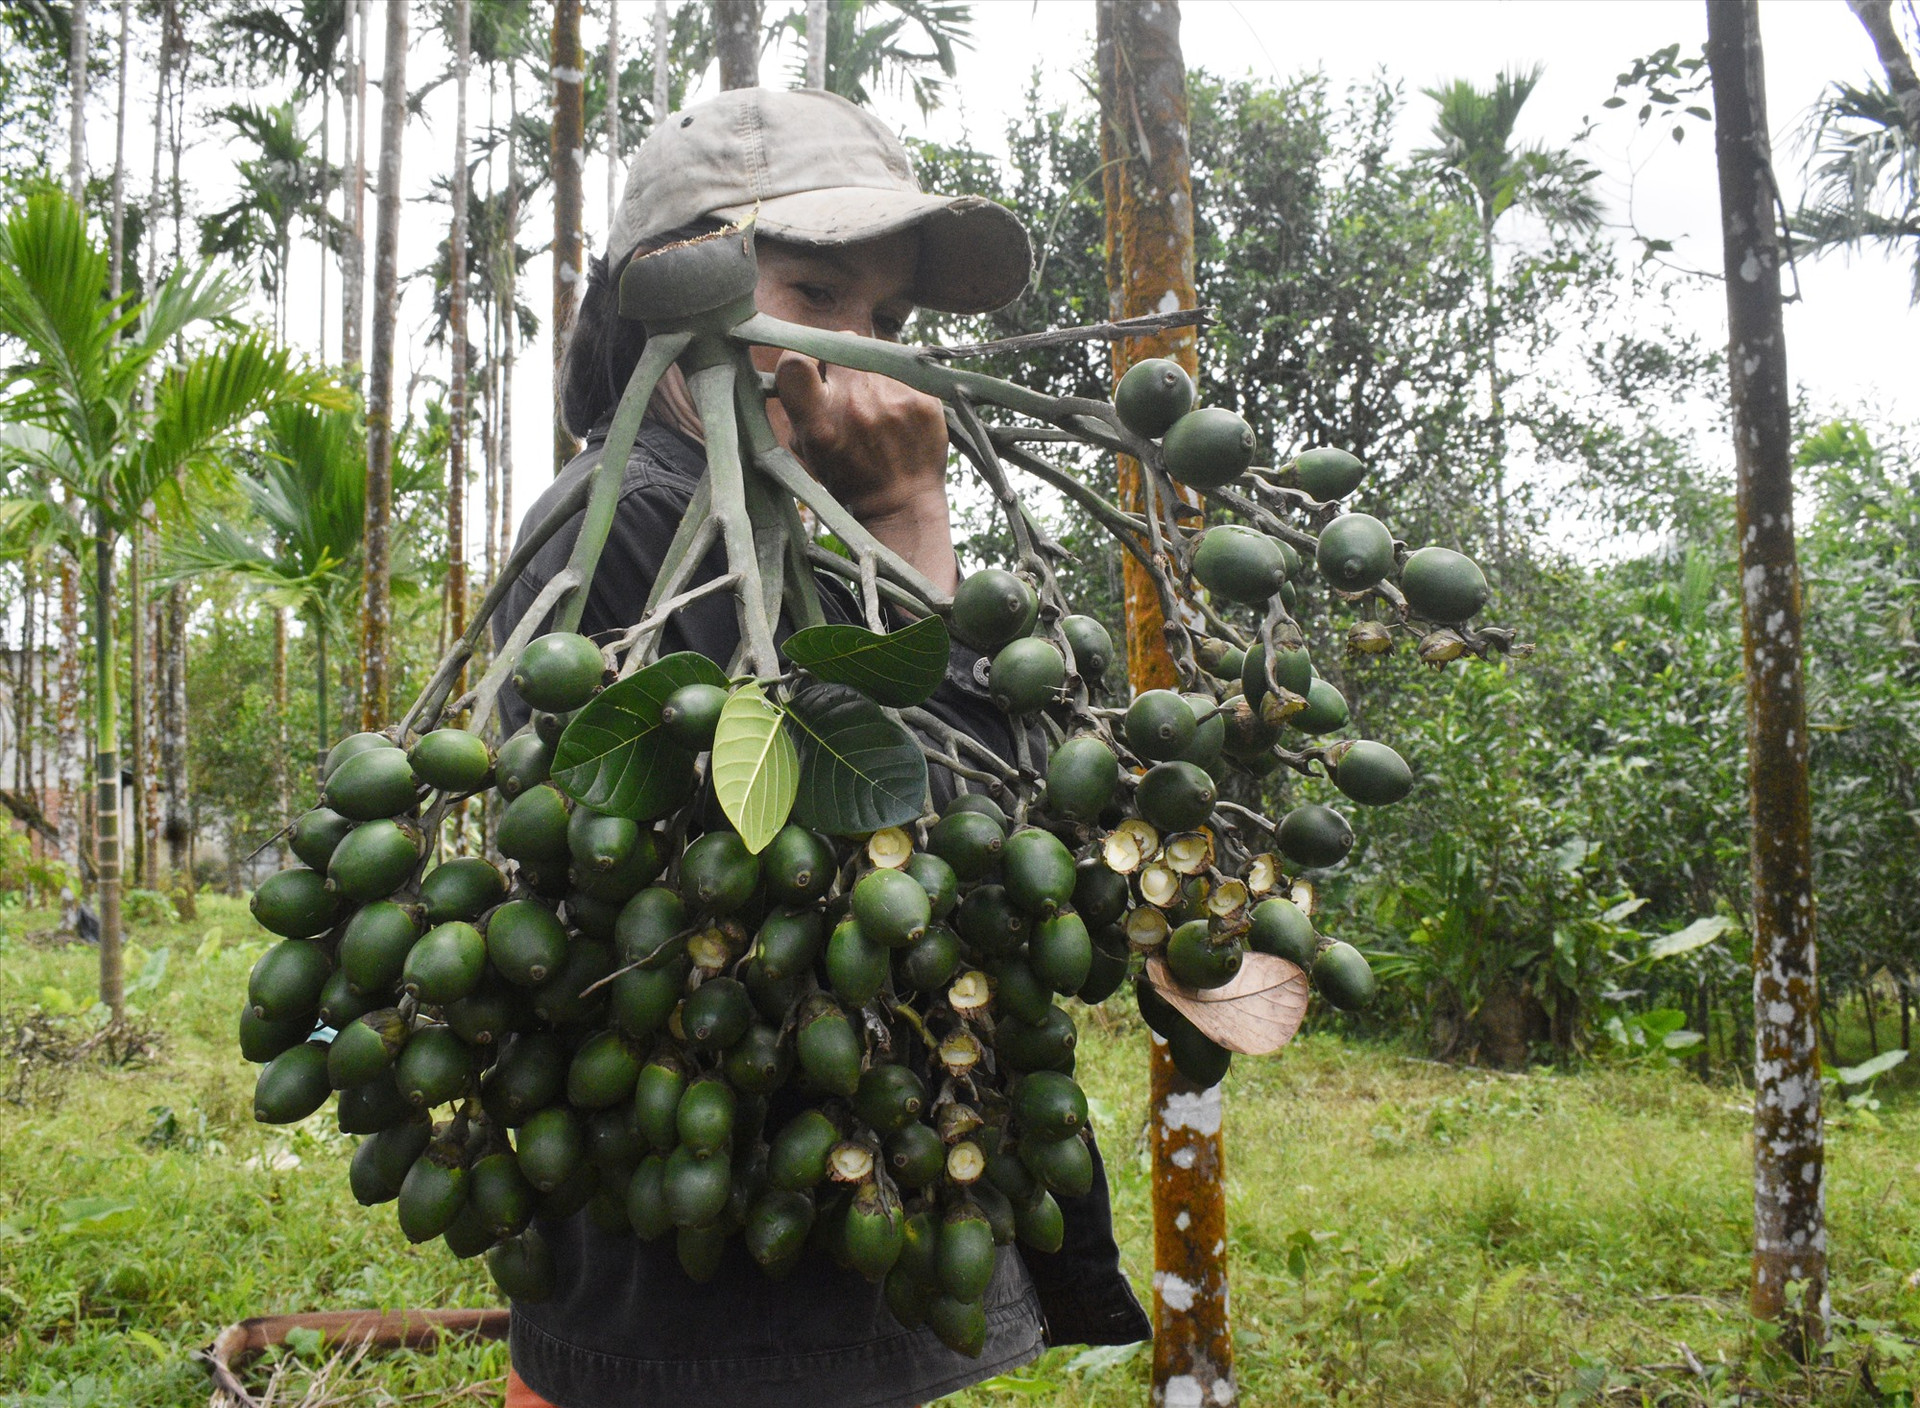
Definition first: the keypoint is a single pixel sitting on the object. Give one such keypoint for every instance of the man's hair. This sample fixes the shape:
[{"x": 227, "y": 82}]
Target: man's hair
[{"x": 603, "y": 347}]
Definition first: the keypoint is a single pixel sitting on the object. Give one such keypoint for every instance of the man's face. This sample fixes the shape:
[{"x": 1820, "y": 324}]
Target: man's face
[{"x": 859, "y": 288}]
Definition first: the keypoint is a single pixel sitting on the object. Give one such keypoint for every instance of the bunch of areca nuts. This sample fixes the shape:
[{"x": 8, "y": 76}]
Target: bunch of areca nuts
[{"x": 691, "y": 1027}]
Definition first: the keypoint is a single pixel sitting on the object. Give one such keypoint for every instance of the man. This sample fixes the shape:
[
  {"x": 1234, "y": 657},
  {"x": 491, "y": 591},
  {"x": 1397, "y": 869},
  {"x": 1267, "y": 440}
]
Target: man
[{"x": 846, "y": 241}]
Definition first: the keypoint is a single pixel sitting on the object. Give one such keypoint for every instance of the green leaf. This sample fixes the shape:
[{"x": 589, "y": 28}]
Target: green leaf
[
  {"x": 1867, "y": 1070},
  {"x": 898, "y": 669},
  {"x": 306, "y": 1341},
  {"x": 755, "y": 768},
  {"x": 1698, "y": 934},
  {"x": 96, "y": 1217},
  {"x": 613, "y": 756},
  {"x": 859, "y": 770}
]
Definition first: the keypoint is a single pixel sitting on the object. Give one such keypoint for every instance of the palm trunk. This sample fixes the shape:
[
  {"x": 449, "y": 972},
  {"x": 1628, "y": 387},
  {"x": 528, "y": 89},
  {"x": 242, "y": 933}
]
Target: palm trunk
[
  {"x": 1789, "y": 1282},
  {"x": 25, "y": 688},
  {"x": 150, "y": 829},
  {"x": 137, "y": 694},
  {"x": 817, "y": 43},
  {"x": 159, "y": 144},
  {"x": 282, "y": 791},
  {"x": 662, "y": 79},
  {"x": 490, "y": 420},
  {"x": 1149, "y": 203},
  {"x": 106, "y": 776},
  {"x": 117, "y": 229},
  {"x": 77, "y": 104},
  {"x": 326, "y": 199},
  {"x": 613, "y": 110},
  {"x": 490, "y": 440},
  {"x": 323, "y": 725},
  {"x": 736, "y": 38},
  {"x": 509, "y": 327},
  {"x": 1496, "y": 401},
  {"x": 457, "y": 330},
  {"x": 66, "y": 739},
  {"x": 376, "y": 613},
  {"x": 353, "y": 270},
  {"x": 178, "y": 822},
  {"x": 568, "y": 162}
]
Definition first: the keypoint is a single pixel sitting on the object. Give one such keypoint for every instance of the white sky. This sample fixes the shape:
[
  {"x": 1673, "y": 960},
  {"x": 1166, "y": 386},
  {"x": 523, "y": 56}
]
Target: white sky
[{"x": 1852, "y": 340}]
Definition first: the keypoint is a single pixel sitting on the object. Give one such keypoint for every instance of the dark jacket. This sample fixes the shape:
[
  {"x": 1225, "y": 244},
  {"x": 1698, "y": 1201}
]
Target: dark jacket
[{"x": 627, "y": 1328}]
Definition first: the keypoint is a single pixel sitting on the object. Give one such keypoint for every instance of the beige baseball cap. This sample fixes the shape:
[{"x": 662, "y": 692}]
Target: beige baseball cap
[{"x": 813, "y": 169}]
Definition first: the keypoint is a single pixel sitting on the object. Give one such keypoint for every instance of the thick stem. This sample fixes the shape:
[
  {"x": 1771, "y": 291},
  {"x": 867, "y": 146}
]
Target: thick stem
[
  {"x": 712, "y": 388},
  {"x": 660, "y": 354}
]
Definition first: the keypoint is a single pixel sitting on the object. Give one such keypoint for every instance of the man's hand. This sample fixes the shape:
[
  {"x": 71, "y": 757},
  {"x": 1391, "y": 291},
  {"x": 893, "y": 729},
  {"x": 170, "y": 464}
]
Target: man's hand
[{"x": 878, "y": 446}]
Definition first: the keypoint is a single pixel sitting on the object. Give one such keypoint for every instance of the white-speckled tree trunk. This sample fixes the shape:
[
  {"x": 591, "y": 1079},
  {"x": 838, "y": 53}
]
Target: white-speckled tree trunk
[
  {"x": 1148, "y": 190},
  {"x": 1789, "y": 1283}
]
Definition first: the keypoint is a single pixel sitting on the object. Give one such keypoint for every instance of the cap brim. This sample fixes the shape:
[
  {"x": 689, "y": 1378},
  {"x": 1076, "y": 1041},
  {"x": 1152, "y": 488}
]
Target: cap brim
[{"x": 974, "y": 253}]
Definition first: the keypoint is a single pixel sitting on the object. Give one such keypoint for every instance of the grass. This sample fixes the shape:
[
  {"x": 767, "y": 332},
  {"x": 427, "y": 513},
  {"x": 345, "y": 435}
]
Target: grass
[{"x": 1401, "y": 1233}]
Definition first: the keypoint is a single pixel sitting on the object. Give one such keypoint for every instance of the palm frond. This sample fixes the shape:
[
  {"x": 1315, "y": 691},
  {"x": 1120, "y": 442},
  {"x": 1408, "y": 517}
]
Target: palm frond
[
  {"x": 53, "y": 286},
  {"x": 198, "y": 407},
  {"x": 1864, "y": 176}
]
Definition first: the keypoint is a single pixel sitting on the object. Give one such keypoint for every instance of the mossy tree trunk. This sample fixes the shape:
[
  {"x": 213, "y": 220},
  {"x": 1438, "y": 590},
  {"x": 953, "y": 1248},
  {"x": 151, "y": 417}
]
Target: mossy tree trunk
[
  {"x": 1789, "y": 1277},
  {"x": 1148, "y": 188}
]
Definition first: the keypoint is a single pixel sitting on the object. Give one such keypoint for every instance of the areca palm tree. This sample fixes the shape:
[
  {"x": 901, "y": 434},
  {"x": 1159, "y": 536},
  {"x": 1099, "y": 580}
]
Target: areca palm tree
[
  {"x": 308, "y": 498},
  {"x": 79, "y": 361},
  {"x": 311, "y": 44},
  {"x": 1477, "y": 158},
  {"x": 284, "y": 184}
]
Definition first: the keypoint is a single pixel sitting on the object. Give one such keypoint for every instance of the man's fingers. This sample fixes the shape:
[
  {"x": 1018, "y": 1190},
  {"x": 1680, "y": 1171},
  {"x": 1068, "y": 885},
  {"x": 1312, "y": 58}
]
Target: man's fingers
[{"x": 802, "y": 388}]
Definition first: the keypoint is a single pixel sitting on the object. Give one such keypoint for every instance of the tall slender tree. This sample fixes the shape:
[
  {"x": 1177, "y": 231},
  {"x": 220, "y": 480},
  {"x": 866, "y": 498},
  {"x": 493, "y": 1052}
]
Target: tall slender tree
[
  {"x": 1789, "y": 1282},
  {"x": 1148, "y": 186},
  {"x": 77, "y": 102},
  {"x": 817, "y": 43},
  {"x": 1476, "y": 155},
  {"x": 377, "y": 609},
  {"x": 662, "y": 82},
  {"x": 353, "y": 261},
  {"x": 612, "y": 110},
  {"x": 567, "y": 151},
  {"x": 66, "y": 748},
  {"x": 737, "y": 38},
  {"x": 457, "y": 319}
]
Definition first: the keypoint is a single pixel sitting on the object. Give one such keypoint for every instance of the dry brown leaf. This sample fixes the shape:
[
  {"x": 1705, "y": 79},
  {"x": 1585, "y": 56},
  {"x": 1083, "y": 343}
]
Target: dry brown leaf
[{"x": 1255, "y": 1015}]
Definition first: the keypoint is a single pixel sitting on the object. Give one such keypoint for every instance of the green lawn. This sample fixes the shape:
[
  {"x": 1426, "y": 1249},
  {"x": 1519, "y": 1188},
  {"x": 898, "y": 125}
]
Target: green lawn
[{"x": 1402, "y": 1233}]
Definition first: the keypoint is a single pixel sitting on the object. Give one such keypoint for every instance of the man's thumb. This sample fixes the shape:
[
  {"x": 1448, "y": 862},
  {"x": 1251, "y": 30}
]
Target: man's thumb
[{"x": 801, "y": 385}]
